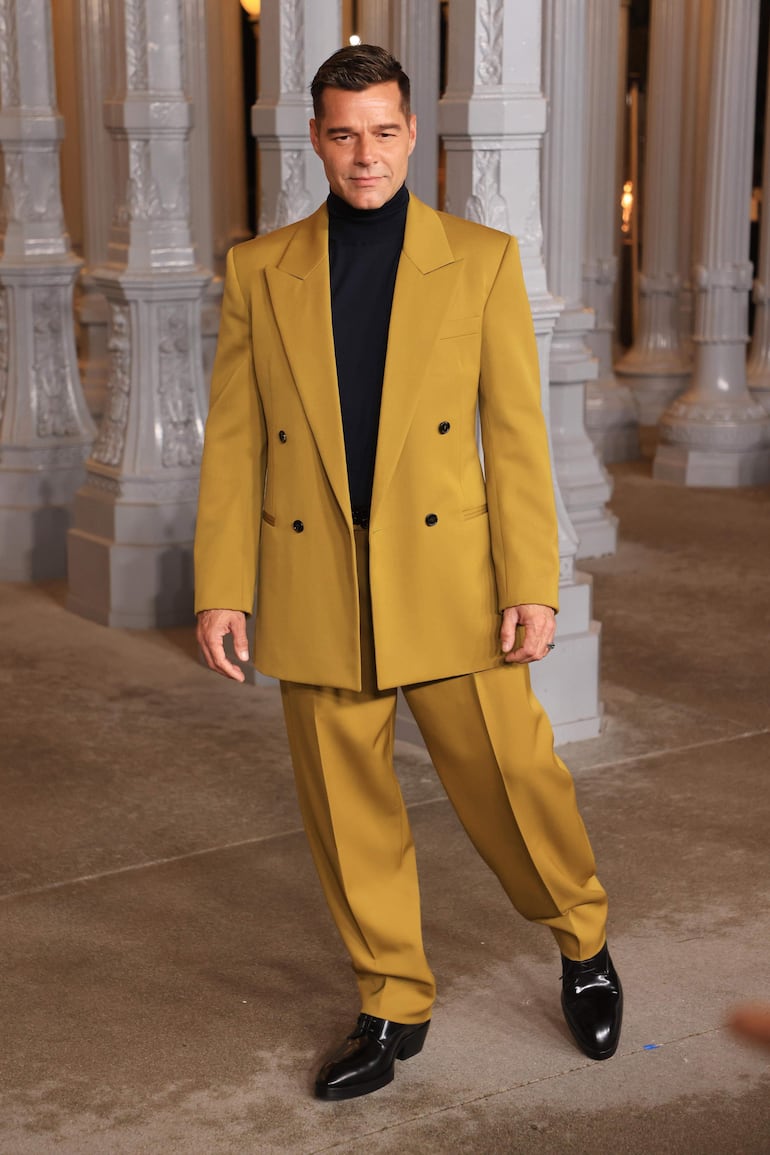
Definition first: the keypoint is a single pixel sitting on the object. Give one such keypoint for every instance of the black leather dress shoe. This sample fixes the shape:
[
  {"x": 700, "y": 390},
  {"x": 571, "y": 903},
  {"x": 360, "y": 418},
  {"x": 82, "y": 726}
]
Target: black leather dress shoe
[
  {"x": 366, "y": 1059},
  {"x": 592, "y": 1001}
]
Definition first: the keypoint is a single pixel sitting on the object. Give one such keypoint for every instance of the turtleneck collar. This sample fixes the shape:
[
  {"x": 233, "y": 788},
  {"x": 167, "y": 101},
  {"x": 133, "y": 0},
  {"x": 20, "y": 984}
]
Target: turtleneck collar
[{"x": 347, "y": 221}]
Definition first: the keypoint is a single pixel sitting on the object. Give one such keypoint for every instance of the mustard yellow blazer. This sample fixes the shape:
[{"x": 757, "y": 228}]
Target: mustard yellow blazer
[{"x": 449, "y": 547}]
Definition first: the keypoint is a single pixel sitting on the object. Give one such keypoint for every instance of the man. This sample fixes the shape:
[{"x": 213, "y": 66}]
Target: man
[{"x": 341, "y": 477}]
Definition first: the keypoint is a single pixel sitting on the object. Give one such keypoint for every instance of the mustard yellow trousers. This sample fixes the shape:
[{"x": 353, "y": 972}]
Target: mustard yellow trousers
[{"x": 492, "y": 746}]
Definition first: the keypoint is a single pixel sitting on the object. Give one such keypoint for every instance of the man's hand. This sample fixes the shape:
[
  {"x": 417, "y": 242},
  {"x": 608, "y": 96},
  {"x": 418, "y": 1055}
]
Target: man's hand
[
  {"x": 539, "y": 624},
  {"x": 213, "y": 626}
]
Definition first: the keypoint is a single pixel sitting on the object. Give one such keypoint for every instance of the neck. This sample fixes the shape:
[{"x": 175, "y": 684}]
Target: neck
[{"x": 341, "y": 210}]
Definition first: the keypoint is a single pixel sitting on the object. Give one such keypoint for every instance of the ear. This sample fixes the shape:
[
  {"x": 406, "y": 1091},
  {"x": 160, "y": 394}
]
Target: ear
[
  {"x": 314, "y": 136},
  {"x": 412, "y": 133}
]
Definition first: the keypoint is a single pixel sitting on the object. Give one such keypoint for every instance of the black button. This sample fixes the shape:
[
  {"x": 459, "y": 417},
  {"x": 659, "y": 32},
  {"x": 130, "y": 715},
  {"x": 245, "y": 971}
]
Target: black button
[
  {"x": 297, "y": 526},
  {"x": 444, "y": 427},
  {"x": 431, "y": 519},
  {"x": 282, "y": 435}
]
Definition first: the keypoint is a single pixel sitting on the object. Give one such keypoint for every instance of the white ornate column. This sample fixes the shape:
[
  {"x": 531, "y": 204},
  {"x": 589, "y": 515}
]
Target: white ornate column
[
  {"x": 374, "y": 23},
  {"x": 45, "y": 429},
  {"x": 130, "y": 551},
  {"x": 92, "y": 311},
  {"x": 758, "y": 369},
  {"x": 716, "y": 433},
  {"x": 655, "y": 368},
  {"x": 492, "y": 119},
  {"x": 416, "y": 45},
  {"x": 295, "y": 37},
  {"x": 410, "y": 30},
  {"x": 690, "y": 183},
  {"x": 584, "y": 483},
  {"x": 610, "y": 414}
]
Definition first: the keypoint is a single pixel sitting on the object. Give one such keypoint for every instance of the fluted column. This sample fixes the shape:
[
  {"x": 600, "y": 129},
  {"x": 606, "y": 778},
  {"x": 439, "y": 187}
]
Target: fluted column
[
  {"x": 45, "y": 429},
  {"x": 92, "y": 78},
  {"x": 584, "y": 483},
  {"x": 410, "y": 30},
  {"x": 716, "y": 433},
  {"x": 610, "y": 414},
  {"x": 655, "y": 368},
  {"x": 690, "y": 183},
  {"x": 492, "y": 119},
  {"x": 374, "y": 22},
  {"x": 131, "y": 546},
  {"x": 295, "y": 37},
  {"x": 416, "y": 45},
  {"x": 758, "y": 368}
]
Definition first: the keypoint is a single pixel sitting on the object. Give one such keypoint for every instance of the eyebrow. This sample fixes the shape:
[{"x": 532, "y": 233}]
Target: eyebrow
[{"x": 376, "y": 128}]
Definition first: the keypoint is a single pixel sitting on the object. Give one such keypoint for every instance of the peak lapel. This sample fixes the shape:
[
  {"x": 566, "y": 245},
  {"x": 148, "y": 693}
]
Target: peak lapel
[
  {"x": 301, "y": 299},
  {"x": 425, "y": 284}
]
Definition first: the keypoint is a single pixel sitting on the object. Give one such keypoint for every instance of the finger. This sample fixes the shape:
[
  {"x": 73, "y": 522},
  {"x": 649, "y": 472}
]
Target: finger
[
  {"x": 221, "y": 664},
  {"x": 510, "y": 624},
  {"x": 523, "y": 654},
  {"x": 532, "y": 649},
  {"x": 240, "y": 640},
  {"x": 507, "y": 637},
  {"x": 213, "y": 650}
]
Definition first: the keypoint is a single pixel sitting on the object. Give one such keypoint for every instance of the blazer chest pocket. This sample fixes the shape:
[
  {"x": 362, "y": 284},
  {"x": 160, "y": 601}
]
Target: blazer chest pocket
[
  {"x": 459, "y": 327},
  {"x": 268, "y": 517}
]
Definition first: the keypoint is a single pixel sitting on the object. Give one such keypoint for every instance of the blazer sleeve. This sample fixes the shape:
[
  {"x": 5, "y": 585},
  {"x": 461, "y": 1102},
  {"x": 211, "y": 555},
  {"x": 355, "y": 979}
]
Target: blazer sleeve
[
  {"x": 233, "y": 466},
  {"x": 520, "y": 497}
]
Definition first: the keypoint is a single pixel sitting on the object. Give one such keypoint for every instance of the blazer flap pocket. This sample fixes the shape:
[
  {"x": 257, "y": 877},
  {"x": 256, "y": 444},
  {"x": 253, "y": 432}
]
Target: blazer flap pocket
[{"x": 459, "y": 327}]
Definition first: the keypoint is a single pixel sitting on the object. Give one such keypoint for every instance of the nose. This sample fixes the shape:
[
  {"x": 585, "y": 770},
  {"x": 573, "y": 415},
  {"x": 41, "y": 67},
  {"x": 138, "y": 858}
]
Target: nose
[{"x": 364, "y": 155}]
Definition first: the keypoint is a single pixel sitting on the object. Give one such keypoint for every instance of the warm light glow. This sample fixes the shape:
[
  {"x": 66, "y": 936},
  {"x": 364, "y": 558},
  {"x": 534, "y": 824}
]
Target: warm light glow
[
  {"x": 354, "y": 39},
  {"x": 252, "y": 7},
  {"x": 627, "y": 206}
]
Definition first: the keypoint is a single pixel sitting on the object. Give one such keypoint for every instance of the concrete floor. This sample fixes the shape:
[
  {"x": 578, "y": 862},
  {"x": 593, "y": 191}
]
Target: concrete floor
[{"x": 171, "y": 978}]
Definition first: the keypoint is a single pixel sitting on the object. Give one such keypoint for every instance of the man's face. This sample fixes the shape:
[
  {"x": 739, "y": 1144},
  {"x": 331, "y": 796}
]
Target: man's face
[{"x": 365, "y": 141}]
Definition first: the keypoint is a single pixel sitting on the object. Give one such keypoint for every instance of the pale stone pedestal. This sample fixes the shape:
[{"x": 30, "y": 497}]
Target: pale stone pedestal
[{"x": 572, "y": 703}]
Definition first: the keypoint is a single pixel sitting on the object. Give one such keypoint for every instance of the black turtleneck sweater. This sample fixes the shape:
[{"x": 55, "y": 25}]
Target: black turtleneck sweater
[{"x": 364, "y": 250}]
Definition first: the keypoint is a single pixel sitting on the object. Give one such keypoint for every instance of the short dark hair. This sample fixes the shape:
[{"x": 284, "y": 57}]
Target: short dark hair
[{"x": 356, "y": 67}]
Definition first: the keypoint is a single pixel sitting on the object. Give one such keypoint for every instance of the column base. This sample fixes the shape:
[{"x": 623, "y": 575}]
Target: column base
[
  {"x": 130, "y": 562},
  {"x": 35, "y": 515},
  {"x": 611, "y": 421},
  {"x": 652, "y": 393},
  {"x": 137, "y": 587},
  {"x": 759, "y": 388},
  {"x": 34, "y": 543},
  {"x": 567, "y": 681},
  {"x": 597, "y": 532},
  {"x": 711, "y": 467}
]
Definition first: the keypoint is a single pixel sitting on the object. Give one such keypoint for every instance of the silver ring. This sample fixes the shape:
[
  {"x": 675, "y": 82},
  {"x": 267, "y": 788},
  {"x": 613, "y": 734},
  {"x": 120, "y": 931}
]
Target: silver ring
[{"x": 551, "y": 645}]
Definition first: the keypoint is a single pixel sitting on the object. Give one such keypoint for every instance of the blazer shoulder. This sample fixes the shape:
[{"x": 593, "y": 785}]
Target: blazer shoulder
[
  {"x": 268, "y": 248},
  {"x": 465, "y": 235}
]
